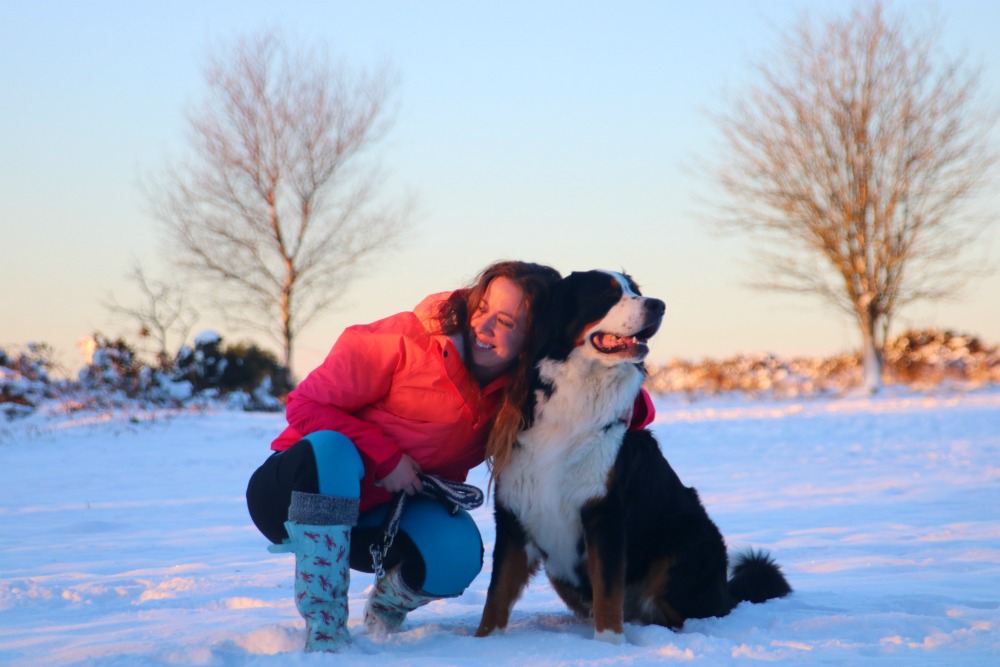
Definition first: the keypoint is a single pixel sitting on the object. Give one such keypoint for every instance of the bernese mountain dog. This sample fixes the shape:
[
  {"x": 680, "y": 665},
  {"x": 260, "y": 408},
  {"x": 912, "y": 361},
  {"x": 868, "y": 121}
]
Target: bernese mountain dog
[{"x": 621, "y": 538}]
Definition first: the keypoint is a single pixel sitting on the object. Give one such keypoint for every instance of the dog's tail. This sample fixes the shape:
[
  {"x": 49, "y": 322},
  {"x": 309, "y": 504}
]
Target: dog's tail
[{"x": 757, "y": 578}]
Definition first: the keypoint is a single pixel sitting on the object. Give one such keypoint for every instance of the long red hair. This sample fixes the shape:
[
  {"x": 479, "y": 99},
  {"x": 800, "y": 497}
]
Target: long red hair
[{"x": 536, "y": 282}]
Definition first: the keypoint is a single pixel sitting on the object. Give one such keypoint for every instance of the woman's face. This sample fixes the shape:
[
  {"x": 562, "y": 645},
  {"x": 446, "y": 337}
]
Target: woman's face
[{"x": 499, "y": 328}]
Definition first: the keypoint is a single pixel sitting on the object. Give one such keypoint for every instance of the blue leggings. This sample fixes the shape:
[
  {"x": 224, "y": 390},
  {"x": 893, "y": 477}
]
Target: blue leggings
[{"x": 449, "y": 546}]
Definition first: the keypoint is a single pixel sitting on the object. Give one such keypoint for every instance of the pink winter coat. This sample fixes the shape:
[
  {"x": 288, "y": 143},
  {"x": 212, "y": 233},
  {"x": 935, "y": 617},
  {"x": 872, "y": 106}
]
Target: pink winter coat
[{"x": 399, "y": 385}]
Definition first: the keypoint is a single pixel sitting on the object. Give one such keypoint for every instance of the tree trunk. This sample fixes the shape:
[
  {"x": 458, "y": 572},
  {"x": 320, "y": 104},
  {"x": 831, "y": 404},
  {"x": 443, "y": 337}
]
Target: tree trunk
[
  {"x": 871, "y": 359},
  {"x": 286, "y": 322},
  {"x": 288, "y": 346}
]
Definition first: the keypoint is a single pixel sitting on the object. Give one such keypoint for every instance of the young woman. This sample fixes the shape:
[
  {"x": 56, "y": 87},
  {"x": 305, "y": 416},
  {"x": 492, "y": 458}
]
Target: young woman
[{"x": 416, "y": 392}]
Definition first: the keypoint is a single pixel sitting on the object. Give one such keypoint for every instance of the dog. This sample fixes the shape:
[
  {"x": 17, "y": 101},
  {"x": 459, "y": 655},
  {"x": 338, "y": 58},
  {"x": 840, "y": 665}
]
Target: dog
[{"x": 621, "y": 538}]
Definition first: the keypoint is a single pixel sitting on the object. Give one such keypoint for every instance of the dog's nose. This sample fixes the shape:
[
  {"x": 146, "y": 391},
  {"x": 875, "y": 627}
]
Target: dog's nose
[{"x": 656, "y": 307}]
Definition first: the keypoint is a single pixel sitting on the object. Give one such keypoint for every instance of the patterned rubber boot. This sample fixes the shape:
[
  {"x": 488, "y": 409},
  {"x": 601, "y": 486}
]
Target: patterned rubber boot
[
  {"x": 389, "y": 603},
  {"x": 319, "y": 532}
]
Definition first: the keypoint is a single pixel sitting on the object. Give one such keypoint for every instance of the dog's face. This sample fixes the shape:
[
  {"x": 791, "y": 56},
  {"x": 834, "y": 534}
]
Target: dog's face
[{"x": 601, "y": 315}]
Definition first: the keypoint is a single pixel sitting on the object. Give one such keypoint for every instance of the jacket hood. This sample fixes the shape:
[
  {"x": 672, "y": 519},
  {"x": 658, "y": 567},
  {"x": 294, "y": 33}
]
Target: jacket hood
[{"x": 427, "y": 311}]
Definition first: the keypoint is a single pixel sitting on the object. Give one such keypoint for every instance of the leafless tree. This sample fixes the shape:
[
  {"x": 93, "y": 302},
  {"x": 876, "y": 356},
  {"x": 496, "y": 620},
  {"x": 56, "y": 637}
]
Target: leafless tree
[
  {"x": 851, "y": 163},
  {"x": 162, "y": 310},
  {"x": 278, "y": 205}
]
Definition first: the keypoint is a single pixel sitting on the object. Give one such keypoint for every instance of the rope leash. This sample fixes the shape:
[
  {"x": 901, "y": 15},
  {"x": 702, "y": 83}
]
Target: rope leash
[{"x": 453, "y": 495}]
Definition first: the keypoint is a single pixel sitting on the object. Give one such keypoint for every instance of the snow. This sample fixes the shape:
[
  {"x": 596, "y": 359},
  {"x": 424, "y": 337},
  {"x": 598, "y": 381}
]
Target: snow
[
  {"x": 207, "y": 337},
  {"x": 125, "y": 541}
]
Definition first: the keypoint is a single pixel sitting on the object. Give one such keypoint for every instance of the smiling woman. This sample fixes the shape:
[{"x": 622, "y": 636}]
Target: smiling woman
[
  {"x": 409, "y": 396},
  {"x": 498, "y": 329}
]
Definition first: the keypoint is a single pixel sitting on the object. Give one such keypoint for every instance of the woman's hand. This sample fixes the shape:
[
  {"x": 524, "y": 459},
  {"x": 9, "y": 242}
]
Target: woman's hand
[{"x": 403, "y": 477}]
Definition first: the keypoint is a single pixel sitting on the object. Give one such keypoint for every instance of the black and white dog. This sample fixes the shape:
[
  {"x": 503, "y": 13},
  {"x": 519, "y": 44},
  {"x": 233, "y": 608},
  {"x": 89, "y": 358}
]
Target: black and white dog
[{"x": 622, "y": 539}]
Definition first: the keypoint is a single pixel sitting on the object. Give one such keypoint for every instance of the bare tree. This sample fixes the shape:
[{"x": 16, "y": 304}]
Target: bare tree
[
  {"x": 161, "y": 311},
  {"x": 850, "y": 163},
  {"x": 277, "y": 207}
]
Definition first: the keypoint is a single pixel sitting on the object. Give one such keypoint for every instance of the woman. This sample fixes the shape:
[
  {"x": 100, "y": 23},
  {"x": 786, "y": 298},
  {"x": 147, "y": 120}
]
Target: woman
[{"x": 415, "y": 392}]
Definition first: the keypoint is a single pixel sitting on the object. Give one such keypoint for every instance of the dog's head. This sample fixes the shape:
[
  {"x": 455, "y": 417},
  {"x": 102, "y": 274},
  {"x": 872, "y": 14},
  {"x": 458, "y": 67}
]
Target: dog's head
[{"x": 602, "y": 316}]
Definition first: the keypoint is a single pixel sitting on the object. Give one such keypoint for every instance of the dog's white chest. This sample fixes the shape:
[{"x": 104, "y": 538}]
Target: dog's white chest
[
  {"x": 563, "y": 461},
  {"x": 547, "y": 484}
]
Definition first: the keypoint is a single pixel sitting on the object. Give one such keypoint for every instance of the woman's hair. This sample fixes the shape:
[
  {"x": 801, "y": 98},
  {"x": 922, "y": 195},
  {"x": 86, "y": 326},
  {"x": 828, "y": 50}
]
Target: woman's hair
[{"x": 535, "y": 281}]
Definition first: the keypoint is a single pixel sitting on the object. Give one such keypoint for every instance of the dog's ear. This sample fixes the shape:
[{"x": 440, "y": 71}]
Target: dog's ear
[
  {"x": 566, "y": 315},
  {"x": 554, "y": 334},
  {"x": 546, "y": 323},
  {"x": 575, "y": 294}
]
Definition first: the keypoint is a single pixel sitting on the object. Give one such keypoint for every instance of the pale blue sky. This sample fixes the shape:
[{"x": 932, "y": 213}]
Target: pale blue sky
[{"x": 557, "y": 132}]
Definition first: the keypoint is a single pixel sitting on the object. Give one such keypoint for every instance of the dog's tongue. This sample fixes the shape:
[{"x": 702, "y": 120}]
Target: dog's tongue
[
  {"x": 613, "y": 343},
  {"x": 607, "y": 340}
]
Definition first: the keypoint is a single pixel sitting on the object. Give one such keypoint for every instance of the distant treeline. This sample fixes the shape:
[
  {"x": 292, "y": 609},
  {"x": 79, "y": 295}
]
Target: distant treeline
[
  {"x": 920, "y": 359},
  {"x": 247, "y": 377},
  {"x": 242, "y": 376}
]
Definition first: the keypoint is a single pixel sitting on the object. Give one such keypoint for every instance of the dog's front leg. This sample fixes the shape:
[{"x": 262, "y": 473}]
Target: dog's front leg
[
  {"x": 604, "y": 535},
  {"x": 511, "y": 572}
]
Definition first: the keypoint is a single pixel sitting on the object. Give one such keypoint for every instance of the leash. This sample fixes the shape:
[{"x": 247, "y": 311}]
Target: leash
[{"x": 453, "y": 495}]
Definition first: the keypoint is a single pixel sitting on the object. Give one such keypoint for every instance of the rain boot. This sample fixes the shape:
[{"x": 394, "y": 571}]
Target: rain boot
[
  {"x": 389, "y": 603},
  {"x": 319, "y": 534}
]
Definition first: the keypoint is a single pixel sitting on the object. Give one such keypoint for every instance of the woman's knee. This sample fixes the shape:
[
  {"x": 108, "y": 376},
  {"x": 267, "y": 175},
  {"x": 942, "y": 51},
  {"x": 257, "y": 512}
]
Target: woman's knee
[
  {"x": 450, "y": 546},
  {"x": 338, "y": 464}
]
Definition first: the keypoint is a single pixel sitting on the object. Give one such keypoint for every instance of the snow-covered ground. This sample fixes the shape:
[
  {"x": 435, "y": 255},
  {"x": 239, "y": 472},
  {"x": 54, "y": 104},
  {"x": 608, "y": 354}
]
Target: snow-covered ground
[{"x": 126, "y": 542}]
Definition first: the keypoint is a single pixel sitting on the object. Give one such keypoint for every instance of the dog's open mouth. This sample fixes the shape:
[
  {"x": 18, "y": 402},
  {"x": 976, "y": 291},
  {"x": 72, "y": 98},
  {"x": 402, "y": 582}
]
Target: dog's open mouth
[{"x": 633, "y": 345}]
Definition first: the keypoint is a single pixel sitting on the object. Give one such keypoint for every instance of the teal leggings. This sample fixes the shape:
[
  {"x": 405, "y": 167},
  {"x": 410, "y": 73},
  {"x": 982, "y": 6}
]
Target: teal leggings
[{"x": 449, "y": 545}]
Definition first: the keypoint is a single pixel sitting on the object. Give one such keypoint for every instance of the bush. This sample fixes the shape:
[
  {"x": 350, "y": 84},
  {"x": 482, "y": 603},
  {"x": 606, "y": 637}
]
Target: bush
[
  {"x": 113, "y": 368},
  {"x": 24, "y": 380},
  {"x": 250, "y": 376},
  {"x": 929, "y": 357},
  {"x": 115, "y": 377},
  {"x": 204, "y": 365},
  {"x": 256, "y": 372}
]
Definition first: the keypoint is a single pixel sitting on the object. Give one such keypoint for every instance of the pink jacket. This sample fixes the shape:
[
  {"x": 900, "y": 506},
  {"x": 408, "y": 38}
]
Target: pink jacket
[{"x": 399, "y": 385}]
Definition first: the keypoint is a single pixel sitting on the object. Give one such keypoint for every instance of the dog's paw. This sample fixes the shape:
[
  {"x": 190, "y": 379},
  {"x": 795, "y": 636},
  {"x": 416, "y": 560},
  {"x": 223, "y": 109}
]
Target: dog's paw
[
  {"x": 486, "y": 631},
  {"x": 610, "y": 637}
]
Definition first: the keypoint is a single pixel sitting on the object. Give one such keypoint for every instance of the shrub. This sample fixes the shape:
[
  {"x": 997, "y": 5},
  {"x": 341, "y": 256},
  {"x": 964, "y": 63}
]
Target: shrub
[
  {"x": 204, "y": 365},
  {"x": 249, "y": 368},
  {"x": 250, "y": 376},
  {"x": 24, "y": 380}
]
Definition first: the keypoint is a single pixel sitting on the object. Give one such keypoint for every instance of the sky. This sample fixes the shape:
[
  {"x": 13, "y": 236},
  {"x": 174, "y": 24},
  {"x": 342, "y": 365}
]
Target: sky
[{"x": 557, "y": 132}]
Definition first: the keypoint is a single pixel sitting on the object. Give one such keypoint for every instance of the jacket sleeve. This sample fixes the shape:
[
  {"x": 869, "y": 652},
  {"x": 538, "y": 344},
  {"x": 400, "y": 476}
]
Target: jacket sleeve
[
  {"x": 357, "y": 372},
  {"x": 643, "y": 412}
]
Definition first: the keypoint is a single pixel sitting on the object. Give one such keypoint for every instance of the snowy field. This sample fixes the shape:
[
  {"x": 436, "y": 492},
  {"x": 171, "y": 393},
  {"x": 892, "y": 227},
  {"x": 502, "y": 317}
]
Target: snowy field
[{"x": 127, "y": 542}]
